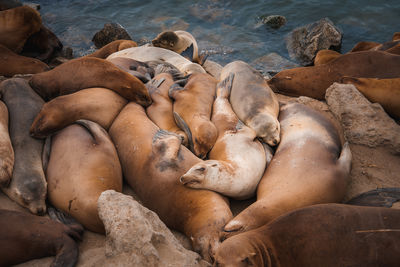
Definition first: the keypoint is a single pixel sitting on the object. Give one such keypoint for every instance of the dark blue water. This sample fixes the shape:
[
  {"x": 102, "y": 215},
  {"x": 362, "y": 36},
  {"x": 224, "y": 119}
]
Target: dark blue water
[{"x": 226, "y": 28}]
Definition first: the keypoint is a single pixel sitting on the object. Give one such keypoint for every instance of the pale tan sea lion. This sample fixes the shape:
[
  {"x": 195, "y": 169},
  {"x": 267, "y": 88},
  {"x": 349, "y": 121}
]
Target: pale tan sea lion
[
  {"x": 236, "y": 161},
  {"x": 6, "y": 149},
  {"x": 309, "y": 167},
  {"x": 113, "y": 47},
  {"x": 253, "y": 101},
  {"x": 100, "y": 105}
]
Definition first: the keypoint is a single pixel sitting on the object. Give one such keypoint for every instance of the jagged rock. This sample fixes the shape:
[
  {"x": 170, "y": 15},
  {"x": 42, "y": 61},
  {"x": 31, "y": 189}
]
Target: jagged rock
[
  {"x": 135, "y": 236},
  {"x": 273, "y": 21},
  {"x": 110, "y": 32},
  {"x": 32, "y": 5},
  {"x": 272, "y": 63},
  {"x": 303, "y": 43}
]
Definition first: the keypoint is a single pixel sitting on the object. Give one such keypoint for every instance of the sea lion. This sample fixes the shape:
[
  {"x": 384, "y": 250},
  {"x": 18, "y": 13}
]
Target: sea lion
[
  {"x": 139, "y": 69},
  {"x": 16, "y": 25},
  {"x": 253, "y": 101},
  {"x": 26, "y": 237},
  {"x": 161, "y": 110},
  {"x": 313, "y": 81},
  {"x": 28, "y": 185},
  {"x": 396, "y": 36},
  {"x": 165, "y": 67},
  {"x": 12, "y": 63},
  {"x": 325, "y": 56},
  {"x": 7, "y": 4},
  {"x": 364, "y": 46},
  {"x": 148, "y": 53},
  {"x": 383, "y": 91},
  {"x": 310, "y": 166},
  {"x": 372, "y": 46},
  {"x": 236, "y": 161},
  {"x": 321, "y": 235},
  {"x": 83, "y": 163},
  {"x": 6, "y": 149},
  {"x": 192, "y": 111},
  {"x": 152, "y": 161},
  {"x": 113, "y": 47},
  {"x": 87, "y": 72},
  {"x": 100, "y": 105},
  {"x": 181, "y": 42}
]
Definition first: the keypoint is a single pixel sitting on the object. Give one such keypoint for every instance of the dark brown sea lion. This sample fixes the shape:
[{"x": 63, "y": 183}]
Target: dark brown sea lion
[
  {"x": 322, "y": 235},
  {"x": 16, "y": 25},
  {"x": 100, "y": 105},
  {"x": 364, "y": 46},
  {"x": 309, "y": 167},
  {"x": 112, "y": 47},
  {"x": 313, "y": 81},
  {"x": 139, "y": 69},
  {"x": 87, "y": 72},
  {"x": 83, "y": 163},
  {"x": 26, "y": 237},
  {"x": 152, "y": 161},
  {"x": 28, "y": 185},
  {"x": 192, "y": 111},
  {"x": 6, "y": 149},
  {"x": 325, "y": 56},
  {"x": 7, "y": 4},
  {"x": 12, "y": 63}
]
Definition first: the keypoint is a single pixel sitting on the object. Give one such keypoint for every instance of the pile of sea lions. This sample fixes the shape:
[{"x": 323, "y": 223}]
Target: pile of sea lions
[{"x": 187, "y": 139}]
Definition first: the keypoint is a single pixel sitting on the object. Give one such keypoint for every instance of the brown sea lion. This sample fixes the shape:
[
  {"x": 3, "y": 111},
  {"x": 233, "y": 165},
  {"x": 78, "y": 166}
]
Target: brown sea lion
[
  {"x": 321, "y": 235},
  {"x": 313, "y": 81},
  {"x": 16, "y": 25},
  {"x": 389, "y": 47},
  {"x": 26, "y": 237},
  {"x": 149, "y": 53},
  {"x": 28, "y": 185},
  {"x": 181, "y": 42},
  {"x": 396, "y": 36},
  {"x": 113, "y": 47},
  {"x": 325, "y": 56},
  {"x": 236, "y": 161},
  {"x": 87, "y": 72},
  {"x": 383, "y": 91},
  {"x": 309, "y": 167},
  {"x": 161, "y": 110},
  {"x": 12, "y": 63},
  {"x": 7, "y": 4},
  {"x": 83, "y": 163},
  {"x": 100, "y": 105},
  {"x": 364, "y": 46},
  {"x": 192, "y": 111},
  {"x": 6, "y": 149},
  {"x": 253, "y": 101},
  {"x": 152, "y": 161}
]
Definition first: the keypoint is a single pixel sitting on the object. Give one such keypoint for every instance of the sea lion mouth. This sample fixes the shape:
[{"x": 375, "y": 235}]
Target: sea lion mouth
[{"x": 188, "y": 181}]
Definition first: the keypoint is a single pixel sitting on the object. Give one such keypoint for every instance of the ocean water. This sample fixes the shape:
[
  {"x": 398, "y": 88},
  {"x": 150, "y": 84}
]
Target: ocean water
[{"x": 226, "y": 29}]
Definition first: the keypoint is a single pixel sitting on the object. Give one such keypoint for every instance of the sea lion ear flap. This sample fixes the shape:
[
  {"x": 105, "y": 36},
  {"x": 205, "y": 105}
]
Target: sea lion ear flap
[
  {"x": 183, "y": 125},
  {"x": 188, "y": 53}
]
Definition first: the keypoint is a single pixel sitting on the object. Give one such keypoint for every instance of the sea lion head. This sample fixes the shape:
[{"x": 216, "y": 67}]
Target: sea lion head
[
  {"x": 267, "y": 128},
  {"x": 44, "y": 122},
  {"x": 166, "y": 40},
  {"x": 205, "y": 139},
  {"x": 202, "y": 174}
]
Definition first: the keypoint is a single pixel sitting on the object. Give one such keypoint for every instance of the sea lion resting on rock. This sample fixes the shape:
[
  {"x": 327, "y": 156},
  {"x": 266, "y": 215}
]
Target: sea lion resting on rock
[
  {"x": 181, "y": 42},
  {"x": 192, "y": 111},
  {"x": 313, "y": 81},
  {"x": 148, "y": 53},
  {"x": 87, "y": 72},
  {"x": 100, "y": 105},
  {"x": 152, "y": 161},
  {"x": 82, "y": 164},
  {"x": 16, "y": 25},
  {"x": 6, "y": 149},
  {"x": 383, "y": 91},
  {"x": 28, "y": 185},
  {"x": 12, "y": 63},
  {"x": 322, "y": 235},
  {"x": 237, "y": 160},
  {"x": 26, "y": 237},
  {"x": 309, "y": 167},
  {"x": 253, "y": 101},
  {"x": 113, "y": 47}
]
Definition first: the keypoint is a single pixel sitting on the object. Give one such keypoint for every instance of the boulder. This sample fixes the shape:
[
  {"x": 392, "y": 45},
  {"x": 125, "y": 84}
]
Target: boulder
[
  {"x": 304, "y": 42},
  {"x": 135, "y": 236},
  {"x": 272, "y": 21},
  {"x": 110, "y": 32},
  {"x": 272, "y": 63}
]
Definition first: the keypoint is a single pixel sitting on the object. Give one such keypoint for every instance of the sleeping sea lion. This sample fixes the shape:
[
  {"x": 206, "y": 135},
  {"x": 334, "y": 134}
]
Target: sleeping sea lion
[
  {"x": 139, "y": 69},
  {"x": 6, "y": 149},
  {"x": 113, "y": 47},
  {"x": 325, "y": 56}
]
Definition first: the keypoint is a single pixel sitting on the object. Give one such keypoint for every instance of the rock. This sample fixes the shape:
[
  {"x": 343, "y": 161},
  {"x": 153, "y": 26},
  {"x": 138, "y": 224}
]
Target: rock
[
  {"x": 135, "y": 236},
  {"x": 7, "y": 4},
  {"x": 212, "y": 68},
  {"x": 110, "y": 32},
  {"x": 303, "y": 43},
  {"x": 272, "y": 63},
  {"x": 273, "y": 21},
  {"x": 32, "y": 5}
]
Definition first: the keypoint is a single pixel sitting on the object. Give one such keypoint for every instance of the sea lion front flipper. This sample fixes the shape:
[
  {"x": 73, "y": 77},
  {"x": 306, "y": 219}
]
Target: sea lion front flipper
[
  {"x": 344, "y": 160},
  {"x": 46, "y": 153},
  {"x": 183, "y": 125},
  {"x": 224, "y": 87},
  {"x": 141, "y": 77},
  {"x": 95, "y": 130},
  {"x": 381, "y": 197},
  {"x": 188, "y": 53},
  {"x": 167, "y": 144},
  {"x": 177, "y": 87}
]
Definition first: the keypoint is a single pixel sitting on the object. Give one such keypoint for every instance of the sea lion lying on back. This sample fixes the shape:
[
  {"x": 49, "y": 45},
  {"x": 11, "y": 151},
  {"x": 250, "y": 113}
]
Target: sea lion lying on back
[{"x": 181, "y": 42}]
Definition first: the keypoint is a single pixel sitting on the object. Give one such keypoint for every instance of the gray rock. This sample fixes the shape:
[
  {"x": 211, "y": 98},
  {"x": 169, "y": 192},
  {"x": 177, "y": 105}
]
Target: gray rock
[
  {"x": 135, "y": 236},
  {"x": 303, "y": 43},
  {"x": 273, "y": 21},
  {"x": 32, "y": 5},
  {"x": 110, "y": 32},
  {"x": 273, "y": 63}
]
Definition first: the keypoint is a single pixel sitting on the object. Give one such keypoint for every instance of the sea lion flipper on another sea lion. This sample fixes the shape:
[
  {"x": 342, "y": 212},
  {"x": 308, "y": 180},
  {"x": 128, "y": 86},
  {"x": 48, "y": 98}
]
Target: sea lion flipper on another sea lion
[
  {"x": 188, "y": 53},
  {"x": 224, "y": 87},
  {"x": 167, "y": 144},
  {"x": 183, "y": 125},
  {"x": 174, "y": 89},
  {"x": 381, "y": 197},
  {"x": 344, "y": 160},
  {"x": 46, "y": 152}
]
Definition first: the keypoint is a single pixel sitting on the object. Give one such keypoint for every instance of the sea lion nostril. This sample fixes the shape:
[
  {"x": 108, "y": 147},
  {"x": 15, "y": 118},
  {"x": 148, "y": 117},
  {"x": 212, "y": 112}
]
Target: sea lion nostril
[{"x": 275, "y": 142}]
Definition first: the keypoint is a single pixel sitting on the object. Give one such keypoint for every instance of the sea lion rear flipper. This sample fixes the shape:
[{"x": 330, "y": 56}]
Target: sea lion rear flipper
[
  {"x": 381, "y": 197},
  {"x": 344, "y": 161},
  {"x": 224, "y": 87},
  {"x": 46, "y": 153},
  {"x": 183, "y": 125},
  {"x": 76, "y": 229},
  {"x": 67, "y": 255},
  {"x": 95, "y": 130},
  {"x": 188, "y": 53}
]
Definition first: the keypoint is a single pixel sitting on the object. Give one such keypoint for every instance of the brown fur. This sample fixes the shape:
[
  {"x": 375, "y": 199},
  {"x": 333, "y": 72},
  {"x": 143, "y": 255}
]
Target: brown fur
[
  {"x": 113, "y": 47},
  {"x": 325, "y": 56},
  {"x": 6, "y": 149},
  {"x": 364, "y": 46},
  {"x": 396, "y": 36}
]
